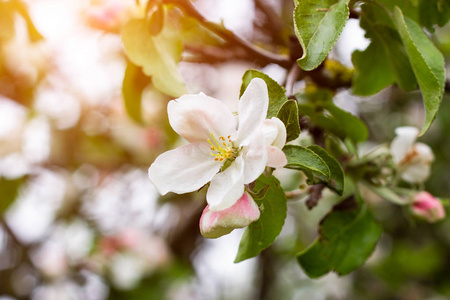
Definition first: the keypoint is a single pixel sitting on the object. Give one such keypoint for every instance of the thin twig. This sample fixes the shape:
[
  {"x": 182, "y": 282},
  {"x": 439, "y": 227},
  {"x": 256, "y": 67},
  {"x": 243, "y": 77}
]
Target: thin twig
[
  {"x": 292, "y": 76},
  {"x": 315, "y": 193},
  {"x": 218, "y": 29}
]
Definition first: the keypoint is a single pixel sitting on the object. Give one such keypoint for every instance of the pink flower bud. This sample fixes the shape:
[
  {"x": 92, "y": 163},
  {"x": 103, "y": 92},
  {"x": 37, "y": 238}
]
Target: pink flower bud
[
  {"x": 427, "y": 207},
  {"x": 214, "y": 224}
]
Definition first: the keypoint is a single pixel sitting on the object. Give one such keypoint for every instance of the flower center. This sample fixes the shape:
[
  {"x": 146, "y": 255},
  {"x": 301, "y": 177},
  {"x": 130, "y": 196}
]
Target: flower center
[{"x": 222, "y": 147}]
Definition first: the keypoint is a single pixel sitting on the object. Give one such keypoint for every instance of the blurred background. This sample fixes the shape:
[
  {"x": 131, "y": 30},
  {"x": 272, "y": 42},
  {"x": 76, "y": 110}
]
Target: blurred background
[{"x": 79, "y": 217}]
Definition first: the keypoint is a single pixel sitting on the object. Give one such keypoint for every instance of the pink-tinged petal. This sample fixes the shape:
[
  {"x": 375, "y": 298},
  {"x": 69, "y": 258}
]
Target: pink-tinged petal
[
  {"x": 275, "y": 157},
  {"x": 252, "y": 110},
  {"x": 427, "y": 207},
  {"x": 195, "y": 117},
  {"x": 214, "y": 224},
  {"x": 184, "y": 169},
  {"x": 255, "y": 157},
  {"x": 227, "y": 186},
  {"x": 402, "y": 143},
  {"x": 274, "y": 132}
]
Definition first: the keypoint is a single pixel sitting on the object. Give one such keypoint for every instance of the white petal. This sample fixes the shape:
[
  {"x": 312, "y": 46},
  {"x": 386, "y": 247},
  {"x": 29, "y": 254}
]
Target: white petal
[
  {"x": 184, "y": 169},
  {"x": 255, "y": 157},
  {"x": 424, "y": 152},
  {"x": 241, "y": 214},
  {"x": 274, "y": 132},
  {"x": 275, "y": 157},
  {"x": 195, "y": 117},
  {"x": 252, "y": 109},
  {"x": 402, "y": 143},
  {"x": 227, "y": 186},
  {"x": 416, "y": 173}
]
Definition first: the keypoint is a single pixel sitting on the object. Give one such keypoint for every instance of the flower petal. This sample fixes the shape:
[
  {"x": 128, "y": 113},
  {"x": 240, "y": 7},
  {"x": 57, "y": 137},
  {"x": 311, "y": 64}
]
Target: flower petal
[
  {"x": 184, "y": 169},
  {"x": 275, "y": 157},
  {"x": 402, "y": 143},
  {"x": 255, "y": 157},
  {"x": 424, "y": 152},
  {"x": 215, "y": 224},
  {"x": 274, "y": 132},
  {"x": 416, "y": 173},
  {"x": 227, "y": 186},
  {"x": 195, "y": 117},
  {"x": 252, "y": 110}
]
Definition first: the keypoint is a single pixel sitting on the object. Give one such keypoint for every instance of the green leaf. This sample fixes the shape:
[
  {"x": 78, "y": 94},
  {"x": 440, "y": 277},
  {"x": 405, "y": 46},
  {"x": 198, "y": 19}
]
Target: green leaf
[
  {"x": 354, "y": 128},
  {"x": 336, "y": 180},
  {"x": 427, "y": 63},
  {"x": 304, "y": 159},
  {"x": 9, "y": 190},
  {"x": 348, "y": 236},
  {"x": 277, "y": 94},
  {"x": 432, "y": 12},
  {"x": 408, "y": 7},
  {"x": 386, "y": 46},
  {"x": 288, "y": 114},
  {"x": 262, "y": 233},
  {"x": 157, "y": 55},
  {"x": 371, "y": 76},
  {"x": 318, "y": 25},
  {"x": 134, "y": 83}
]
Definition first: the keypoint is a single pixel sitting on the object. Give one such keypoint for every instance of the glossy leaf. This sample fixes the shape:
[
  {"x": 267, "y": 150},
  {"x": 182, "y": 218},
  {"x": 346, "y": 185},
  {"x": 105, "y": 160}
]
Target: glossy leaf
[
  {"x": 277, "y": 94},
  {"x": 157, "y": 55},
  {"x": 288, "y": 114},
  {"x": 354, "y": 128},
  {"x": 304, "y": 159},
  {"x": 318, "y": 25},
  {"x": 386, "y": 46},
  {"x": 133, "y": 85},
  {"x": 262, "y": 233},
  {"x": 348, "y": 236},
  {"x": 371, "y": 76},
  {"x": 434, "y": 12},
  {"x": 336, "y": 180},
  {"x": 427, "y": 63}
]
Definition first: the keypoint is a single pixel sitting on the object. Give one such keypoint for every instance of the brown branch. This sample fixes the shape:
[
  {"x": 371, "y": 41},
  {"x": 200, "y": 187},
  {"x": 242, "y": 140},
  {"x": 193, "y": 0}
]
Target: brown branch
[
  {"x": 213, "y": 54},
  {"x": 315, "y": 193},
  {"x": 272, "y": 24},
  {"x": 259, "y": 54},
  {"x": 292, "y": 76}
]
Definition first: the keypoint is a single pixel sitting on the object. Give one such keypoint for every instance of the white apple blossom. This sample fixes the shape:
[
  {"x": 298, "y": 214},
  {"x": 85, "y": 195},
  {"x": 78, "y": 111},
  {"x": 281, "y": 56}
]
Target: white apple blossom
[
  {"x": 275, "y": 136},
  {"x": 413, "y": 160},
  {"x": 227, "y": 150}
]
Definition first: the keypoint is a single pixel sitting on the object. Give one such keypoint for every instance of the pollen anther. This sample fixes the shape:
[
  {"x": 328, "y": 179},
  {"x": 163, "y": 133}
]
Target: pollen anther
[{"x": 222, "y": 150}]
